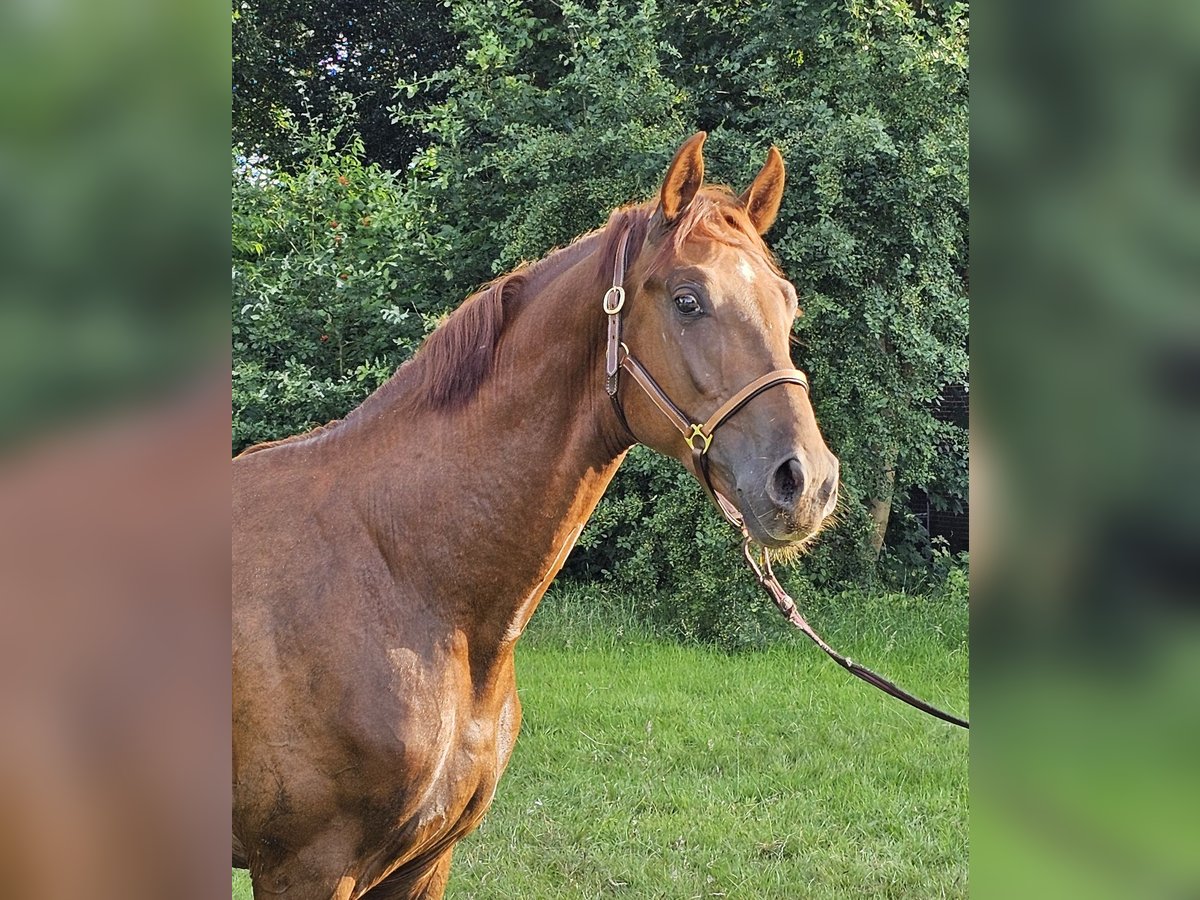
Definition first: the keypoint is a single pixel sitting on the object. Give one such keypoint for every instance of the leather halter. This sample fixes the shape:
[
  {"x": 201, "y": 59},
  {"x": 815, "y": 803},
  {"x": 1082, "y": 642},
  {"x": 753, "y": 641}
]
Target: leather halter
[{"x": 699, "y": 438}]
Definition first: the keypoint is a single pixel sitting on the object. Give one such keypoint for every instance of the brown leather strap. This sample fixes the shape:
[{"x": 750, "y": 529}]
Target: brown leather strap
[
  {"x": 614, "y": 300},
  {"x": 672, "y": 412},
  {"x": 699, "y": 437},
  {"x": 622, "y": 259},
  {"x": 691, "y": 432},
  {"x": 766, "y": 577},
  {"x": 749, "y": 392}
]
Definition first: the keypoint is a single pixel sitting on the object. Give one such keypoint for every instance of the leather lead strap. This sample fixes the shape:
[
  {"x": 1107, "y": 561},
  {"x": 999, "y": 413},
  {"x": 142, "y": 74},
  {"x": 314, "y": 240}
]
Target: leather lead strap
[{"x": 766, "y": 577}]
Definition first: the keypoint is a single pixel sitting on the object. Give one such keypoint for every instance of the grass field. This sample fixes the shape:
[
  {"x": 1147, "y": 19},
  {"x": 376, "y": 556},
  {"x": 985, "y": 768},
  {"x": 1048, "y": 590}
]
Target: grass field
[{"x": 646, "y": 769}]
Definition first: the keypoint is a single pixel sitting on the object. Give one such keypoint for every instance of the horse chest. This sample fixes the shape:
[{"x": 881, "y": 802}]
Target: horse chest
[
  {"x": 458, "y": 743},
  {"x": 460, "y": 793}
]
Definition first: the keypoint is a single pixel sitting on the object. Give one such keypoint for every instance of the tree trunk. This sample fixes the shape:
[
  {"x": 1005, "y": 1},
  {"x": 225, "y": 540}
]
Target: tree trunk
[{"x": 881, "y": 505}]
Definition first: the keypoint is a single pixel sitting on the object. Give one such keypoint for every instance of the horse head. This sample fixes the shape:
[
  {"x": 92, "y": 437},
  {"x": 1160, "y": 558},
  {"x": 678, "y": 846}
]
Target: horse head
[{"x": 709, "y": 313}]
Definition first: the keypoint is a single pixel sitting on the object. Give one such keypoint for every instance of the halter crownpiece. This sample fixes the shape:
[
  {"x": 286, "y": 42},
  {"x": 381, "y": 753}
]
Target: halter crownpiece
[{"x": 699, "y": 438}]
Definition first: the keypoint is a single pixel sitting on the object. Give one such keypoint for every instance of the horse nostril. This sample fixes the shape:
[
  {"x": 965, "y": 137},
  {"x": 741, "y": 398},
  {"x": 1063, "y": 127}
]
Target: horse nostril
[
  {"x": 828, "y": 489},
  {"x": 827, "y": 494},
  {"x": 787, "y": 484}
]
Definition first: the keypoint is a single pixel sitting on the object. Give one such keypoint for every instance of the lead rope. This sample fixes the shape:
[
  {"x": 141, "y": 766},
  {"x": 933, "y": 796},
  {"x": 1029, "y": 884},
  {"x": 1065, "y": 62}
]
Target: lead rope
[
  {"x": 614, "y": 300},
  {"x": 787, "y": 606}
]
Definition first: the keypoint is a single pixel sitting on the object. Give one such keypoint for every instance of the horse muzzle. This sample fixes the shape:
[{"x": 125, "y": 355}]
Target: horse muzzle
[{"x": 790, "y": 500}]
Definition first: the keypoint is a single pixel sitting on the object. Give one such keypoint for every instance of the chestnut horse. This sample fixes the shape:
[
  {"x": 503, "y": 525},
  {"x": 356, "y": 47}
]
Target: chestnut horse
[{"x": 386, "y": 564}]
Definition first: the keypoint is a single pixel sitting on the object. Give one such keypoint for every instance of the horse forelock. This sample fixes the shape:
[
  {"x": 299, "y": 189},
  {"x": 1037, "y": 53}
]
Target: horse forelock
[{"x": 715, "y": 214}]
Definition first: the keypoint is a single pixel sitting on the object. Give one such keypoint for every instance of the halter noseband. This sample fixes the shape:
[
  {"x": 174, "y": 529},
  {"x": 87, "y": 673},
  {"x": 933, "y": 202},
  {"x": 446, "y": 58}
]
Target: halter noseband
[{"x": 699, "y": 438}]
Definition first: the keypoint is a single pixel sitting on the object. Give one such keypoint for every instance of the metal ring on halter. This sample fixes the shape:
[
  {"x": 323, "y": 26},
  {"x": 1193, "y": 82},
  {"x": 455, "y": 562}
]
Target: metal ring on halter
[
  {"x": 617, "y": 292},
  {"x": 698, "y": 432}
]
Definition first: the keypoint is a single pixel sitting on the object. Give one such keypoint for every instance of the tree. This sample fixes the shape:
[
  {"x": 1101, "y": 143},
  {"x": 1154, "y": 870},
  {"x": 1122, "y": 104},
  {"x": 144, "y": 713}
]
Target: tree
[{"x": 294, "y": 60}]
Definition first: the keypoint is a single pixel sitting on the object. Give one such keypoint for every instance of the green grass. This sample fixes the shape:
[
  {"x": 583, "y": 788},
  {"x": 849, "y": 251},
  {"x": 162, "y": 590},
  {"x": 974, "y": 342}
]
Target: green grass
[{"x": 647, "y": 769}]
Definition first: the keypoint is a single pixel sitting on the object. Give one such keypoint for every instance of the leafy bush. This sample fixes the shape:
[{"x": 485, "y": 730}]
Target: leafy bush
[
  {"x": 657, "y": 540},
  {"x": 326, "y": 298}
]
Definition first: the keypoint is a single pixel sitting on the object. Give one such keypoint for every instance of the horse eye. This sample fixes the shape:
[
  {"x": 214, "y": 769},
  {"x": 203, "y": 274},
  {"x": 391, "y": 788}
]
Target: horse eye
[{"x": 687, "y": 304}]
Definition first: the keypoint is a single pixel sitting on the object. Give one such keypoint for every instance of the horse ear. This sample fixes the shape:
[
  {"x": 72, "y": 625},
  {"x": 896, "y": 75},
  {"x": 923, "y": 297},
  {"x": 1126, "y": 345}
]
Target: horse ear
[
  {"x": 684, "y": 176},
  {"x": 763, "y": 197}
]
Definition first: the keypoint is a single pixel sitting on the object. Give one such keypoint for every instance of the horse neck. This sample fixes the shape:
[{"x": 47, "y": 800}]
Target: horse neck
[{"x": 496, "y": 491}]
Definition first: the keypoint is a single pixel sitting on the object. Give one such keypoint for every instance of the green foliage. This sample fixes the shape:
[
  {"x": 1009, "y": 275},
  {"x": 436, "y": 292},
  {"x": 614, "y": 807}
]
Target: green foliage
[
  {"x": 292, "y": 58},
  {"x": 552, "y": 114},
  {"x": 323, "y": 307}
]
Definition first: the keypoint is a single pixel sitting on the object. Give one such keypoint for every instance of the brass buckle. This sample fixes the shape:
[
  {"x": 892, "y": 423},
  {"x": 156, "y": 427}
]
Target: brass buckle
[
  {"x": 618, "y": 293},
  {"x": 698, "y": 432}
]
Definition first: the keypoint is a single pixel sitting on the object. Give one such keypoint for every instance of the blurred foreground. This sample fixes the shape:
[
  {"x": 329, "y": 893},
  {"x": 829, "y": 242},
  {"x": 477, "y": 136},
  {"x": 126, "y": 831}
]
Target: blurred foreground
[
  {"x": 1085, "y": 444},
  {"x": 114, "y": 429}
]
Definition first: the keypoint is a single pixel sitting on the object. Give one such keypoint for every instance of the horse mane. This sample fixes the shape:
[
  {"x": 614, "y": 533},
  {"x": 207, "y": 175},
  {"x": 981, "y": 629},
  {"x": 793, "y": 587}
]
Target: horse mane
[{"x": 457, "y": 357}]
